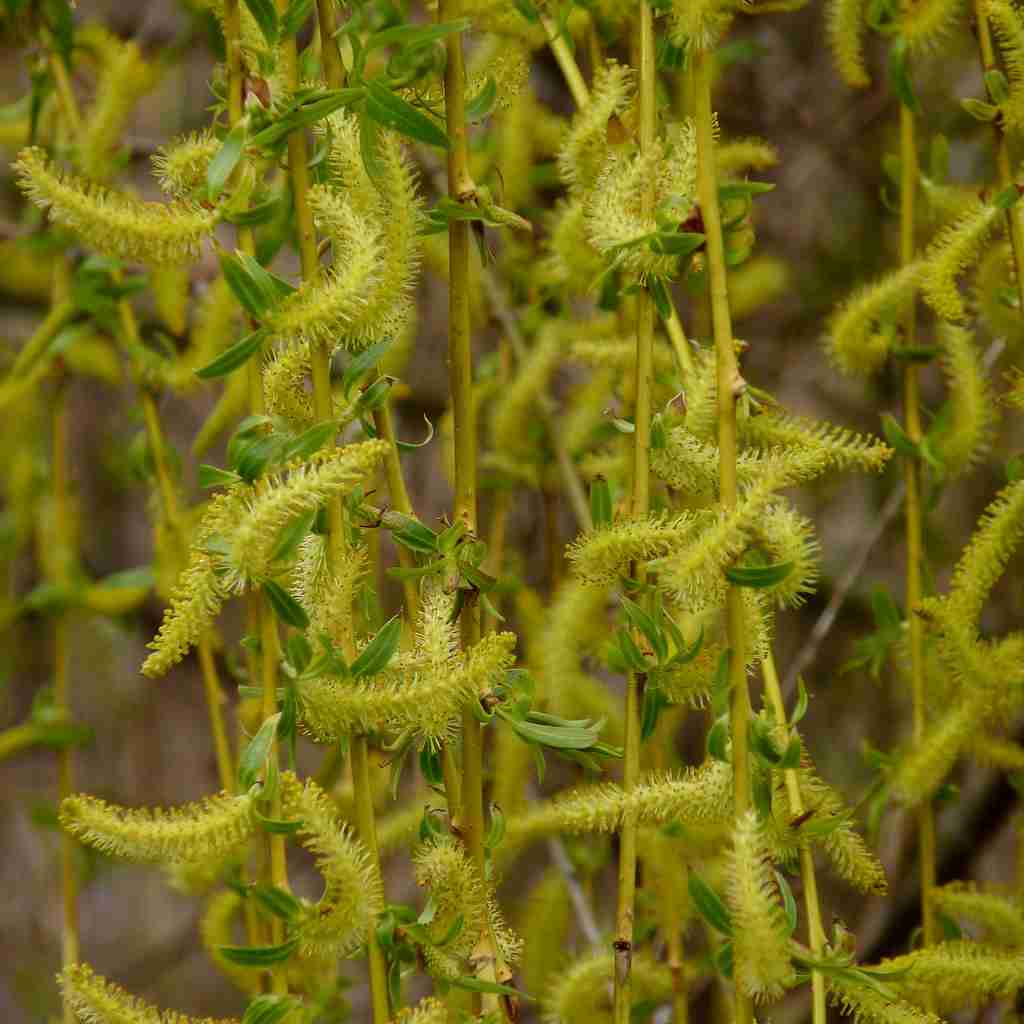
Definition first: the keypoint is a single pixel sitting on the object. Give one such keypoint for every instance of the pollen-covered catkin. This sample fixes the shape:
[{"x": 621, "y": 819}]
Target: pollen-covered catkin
[
  {"x": 115, "y": 224},
  {"x": 209, "y": 829},
  {"x": 95, "y": 1000}
]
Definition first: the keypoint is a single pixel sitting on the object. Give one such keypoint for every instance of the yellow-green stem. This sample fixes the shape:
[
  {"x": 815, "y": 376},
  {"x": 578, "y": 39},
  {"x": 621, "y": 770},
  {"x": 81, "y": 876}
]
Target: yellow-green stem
[
  {"x": 65, "y": 757},
  {"x": 567, "y": 64},
  {"x": 33, "y": 349},
  {"x": 330, "y": 59},
  {"x": 729, "y": 386},
  {"x": 323, "y": 406},
  {"x": 913, "y": 511},
  {"x": 1014, "y": 224},
  {"x": 640, "y": 506},
  {"x": 815, "y": 929}
]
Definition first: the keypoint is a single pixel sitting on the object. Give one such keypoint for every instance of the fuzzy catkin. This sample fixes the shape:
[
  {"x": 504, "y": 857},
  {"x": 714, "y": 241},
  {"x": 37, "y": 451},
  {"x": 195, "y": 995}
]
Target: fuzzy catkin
[{"x": 115, "y": 224}]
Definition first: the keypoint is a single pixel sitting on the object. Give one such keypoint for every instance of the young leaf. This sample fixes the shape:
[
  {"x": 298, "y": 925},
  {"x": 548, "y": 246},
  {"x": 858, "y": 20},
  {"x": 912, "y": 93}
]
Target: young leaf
[
  {"x": 237, "y": 355},
  {"x": 258, "y": 956},
  {"x": 226, "y": 158},
  {"x": 264, "y": 13},
  {"x": 709, "y": 904},
  {"x": 760, "y": 577},
  {"x": 270, "y": 1009},
  {"x": 286, "y": 608},
  {"x": 379, "y": 651},
  {"x": 390, "y": 110},
  {"x": 254, "y": 757}
]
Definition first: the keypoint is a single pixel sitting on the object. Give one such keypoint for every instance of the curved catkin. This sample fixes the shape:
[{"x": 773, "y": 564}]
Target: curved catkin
[
  {"x": 426, "y": 1011},
  {"x": 391, "y": 203},
  {"x": 411, "y": 696},
  {"x": 926, "y": 24},
  {"x": 199, "y": 592},
  {"x": 513, "y": 412},
  {"x": 984, "y": 560},
  {"x": 583, "y": 991},
  {"x": 844, "y": 26},
  {"x": 95, "y": 1000},
  {"x": 697, "y": 797},
  {"x": 282, "y": 498},
  {"x": 329, "y": 306},
  {"x": 848, "y": 854},
  {"x": 789, "y": 537},
  {"x": 123, "y": 80},
  {"x": 444, "y": 869},
  {"x": 860, "y": 331},
  {"x": 926, "y": 767},
  {"x": 181, "y": 165},
  {"x": 700, "y": 24},
  {"x": 352, "y": 896},
  {"x": 955, "y": 248},
  {"x": 115, "y": 224},
  {"x": 1008, "y": 28},
  {"x": 958, "y": 974},
  {"x": 582, "y": 153},
  {"x": 1000, "y": 917},
  {"x": 841, "y": 449},
  {"x": 762, "y": 966},
  {"x": 994, "y": 294},
  {"x": 205, "y": 830},
  {"x": 972, "y": 407},
  {"x": 868, "y": 1005},
  {"x": 543, "y": 920},
  {"x": 598, "y": 558}
]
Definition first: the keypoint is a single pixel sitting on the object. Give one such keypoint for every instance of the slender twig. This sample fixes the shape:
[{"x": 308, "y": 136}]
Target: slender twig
[
  {"x": 729, "y": 382},
  {"x": 815, "y": 929}
]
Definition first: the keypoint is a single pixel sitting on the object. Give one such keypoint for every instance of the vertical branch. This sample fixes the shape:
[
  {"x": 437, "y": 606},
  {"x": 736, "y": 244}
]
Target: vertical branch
[
  {"x": 65, "y": 757},
  {"x": 641, "y": 499},
  {"x": 913, "y": 511},
  {"x": 460, "y": 370},
  {"x": 323, "y": 408},
  {"x": 815, "y": 929},
  {"x": 1002, "y": 153},
  {"x": 729, "y": 385}
]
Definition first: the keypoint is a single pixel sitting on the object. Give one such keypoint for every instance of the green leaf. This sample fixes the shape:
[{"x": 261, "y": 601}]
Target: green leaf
[
  {"x": 277, "y": 901},
  {"x": 230, "y": 359},
  {"x": 291, "y": 536},
  {"x": 1007, "y": 198},
  {"x": 709, "y": 904},
  {"x": 392, "y": 111},
  {"x": 759, "y": 577},
  {"x": 979, "y": 109},
  {"x": 471, "y": 984},
  {"x": 295, "y": 17},
  {"x": 286, "y": 608},
  {"x": 496, "y": 830},
  {"x": 644, "y": 622},
  {"x": 997, "y": 85},
  {"x": 412, "y": 534},
  {"x": 898, "y": 439},
  {"x": 214, "y": 476},
  {"x": 361, "y": 364},
  {"x": 677, "y": 243},
  {"x": 899, "y": 75},
  {"x": 258, "y": 291},
  {"x": 802, "y": 702},
  {"x": 480, "y": 105},
  {"x": 261, "y": 213},
  {"x": 314, "y": 108},
  {"x": 277, "y": 826},
  {"x": 309, "y": 441},
  {"x": 254, "y": 757},
  {"x": 600, "y": 502},
  {"x": 376, "y": 655},
  {"x": 270, "y": 1009},
  {"x": 788, "y": 902},
  {"x": 416, "y": 36},
  {"x": 259, "y": 956},
  {"x": 632, "y": 656},
  {"x": 264, "y": 13},
  {"x": 226, "y": 158}
]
